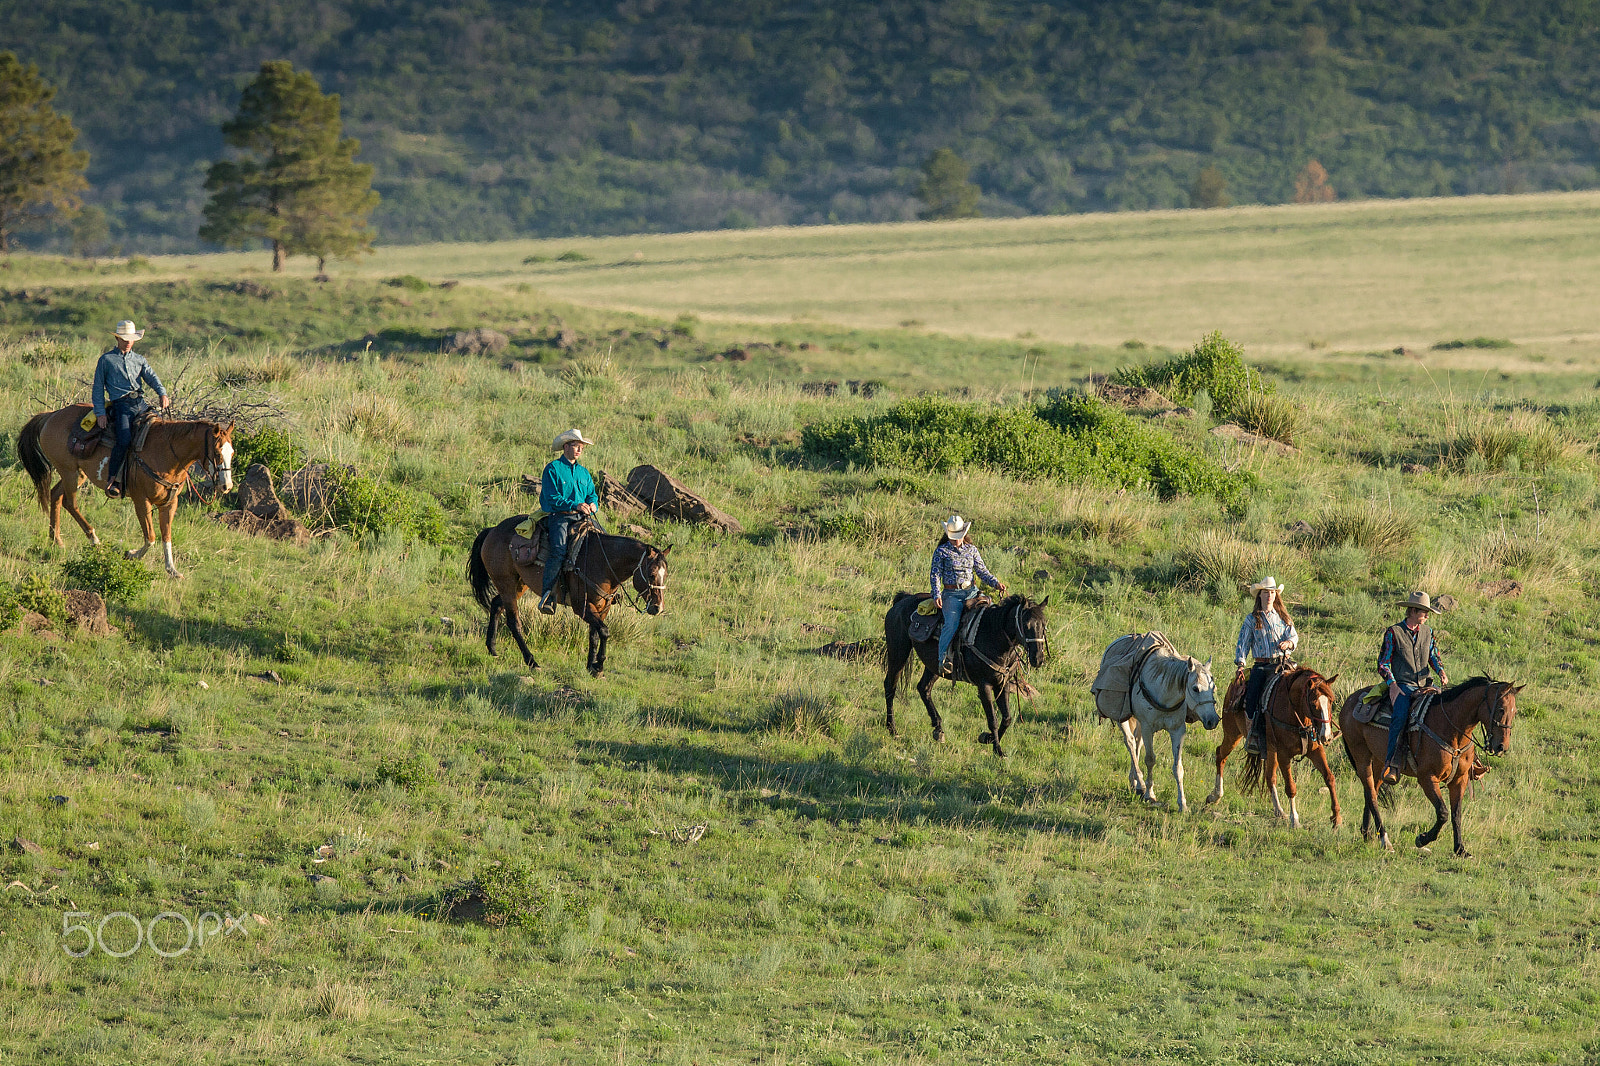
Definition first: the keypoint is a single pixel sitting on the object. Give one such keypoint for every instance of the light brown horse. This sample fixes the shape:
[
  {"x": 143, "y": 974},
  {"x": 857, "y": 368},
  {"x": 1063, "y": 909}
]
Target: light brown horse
[
  {"x": 155, "y": 477},
  {"x": 1443, "y": 753},
  {"x": 1299, "y": 723},
  {"x": 603, "y": 569}
]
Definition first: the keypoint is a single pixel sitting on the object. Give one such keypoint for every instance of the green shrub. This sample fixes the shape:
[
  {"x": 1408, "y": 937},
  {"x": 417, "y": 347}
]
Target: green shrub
[
  {"x": 271, "y": 447},
  {"x": 48, "y": 354},
  {"x": 806, "y": 712},
  {"x": 101, "y": 568},
  {"x": 1380, "y": 531},
  {"x": 36, "y": 593},
  {"x": 1474, "y": 342},
  {"x": 409, "y": 772},
  {"x": 529, "y": 260},
  {"x": 10, "y": 609},
  {"x": 409, "y": 282},
  {"x": 572, "y": 257},
  {"x": 364, "y": 505},
  {"x": 1069, "y": 438},
  {"x": 1268, "y": 415},
  {"x": 1216, "y": 365},
  {"x": 503, "y": 893}
]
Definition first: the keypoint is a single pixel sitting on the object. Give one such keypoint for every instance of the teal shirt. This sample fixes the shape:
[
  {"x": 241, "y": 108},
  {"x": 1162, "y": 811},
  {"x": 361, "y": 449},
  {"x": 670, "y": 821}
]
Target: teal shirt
[{"x": 565, "y": 486}]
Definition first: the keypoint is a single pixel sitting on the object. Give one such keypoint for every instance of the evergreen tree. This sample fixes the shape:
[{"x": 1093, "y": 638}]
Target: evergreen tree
[
  {"x": 1210, "y": 189},
  {"x": 945, "y": 188},
  {"x": 40, "y": 174},
  {"x": 296, "y": 183}
]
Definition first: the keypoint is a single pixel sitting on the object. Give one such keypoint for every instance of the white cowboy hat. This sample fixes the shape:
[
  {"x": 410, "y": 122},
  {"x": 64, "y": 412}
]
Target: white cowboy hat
[
  {"x": 1418, "y": 600},
  {"x": 125, "y": 331},
  {"x": 955, "y": 527},
  {"x": 568, "y": 437},
  {"x": 1267, "y": 584}
]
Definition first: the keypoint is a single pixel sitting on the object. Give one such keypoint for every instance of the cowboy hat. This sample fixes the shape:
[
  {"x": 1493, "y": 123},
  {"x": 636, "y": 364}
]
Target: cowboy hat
[
  {"x": 1266, "y": 584},
  {"x": 568, "y": 437},
  {"x": 1418, "y": 600},
  {"x": 125, "y": 331},
  {"x": 955, "y": 527}
]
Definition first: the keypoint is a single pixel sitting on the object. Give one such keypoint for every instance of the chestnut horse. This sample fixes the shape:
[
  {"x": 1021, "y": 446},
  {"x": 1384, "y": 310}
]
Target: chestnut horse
[
  {"x": 1443, "y": 753},
  {"x": 1299, "y": 723},
  {"x": 604, "y": 566},
  {"x": 155, "y": 476}
]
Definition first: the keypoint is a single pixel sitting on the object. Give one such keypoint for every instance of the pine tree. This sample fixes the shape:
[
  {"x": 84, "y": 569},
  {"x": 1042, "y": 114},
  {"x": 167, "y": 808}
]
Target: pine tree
[
  {"x": 945, "y": 188},
  {"x": 296, "y": 183},
  {"x": 1210, "y": 189},
  {"x": 40, "y": 174}
]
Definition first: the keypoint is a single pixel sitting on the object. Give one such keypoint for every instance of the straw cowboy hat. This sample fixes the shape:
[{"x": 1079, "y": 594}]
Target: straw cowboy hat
[
  {"x": 955, "y": 527},
  {"x": 568, "y": 437},
  {"x": 1418, "y": 600},
  {"x": 125, "y": 331},
  {"x": 1267, "y": 584}
]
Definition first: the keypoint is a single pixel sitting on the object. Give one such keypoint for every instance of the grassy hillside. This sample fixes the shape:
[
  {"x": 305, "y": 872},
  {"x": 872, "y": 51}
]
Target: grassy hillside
[
  {"x": 496, "y": 119},
  {"x": 850, "y": 898}
]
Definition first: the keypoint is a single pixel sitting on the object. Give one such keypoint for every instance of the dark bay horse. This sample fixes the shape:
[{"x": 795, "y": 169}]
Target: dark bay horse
[
  {"x": 155, "y": 478},
  {"x": 604, "y": 567},
  {"x": 1443, "y": 753},
  {"x": 1299, "y": 723},
  {"x": 1011, "y": 631}
]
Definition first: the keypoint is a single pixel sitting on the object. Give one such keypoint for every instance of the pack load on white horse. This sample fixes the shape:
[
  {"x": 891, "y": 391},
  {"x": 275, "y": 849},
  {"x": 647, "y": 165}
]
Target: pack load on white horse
[{"x": 1143, "y": 679}]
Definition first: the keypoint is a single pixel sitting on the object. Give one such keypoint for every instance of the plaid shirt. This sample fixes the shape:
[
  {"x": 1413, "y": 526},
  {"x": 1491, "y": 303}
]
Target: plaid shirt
[
  {"x": 1386, "y": 656},
  {"x": 953, "y": 567},
  {"x": 1263, "y": 643}
]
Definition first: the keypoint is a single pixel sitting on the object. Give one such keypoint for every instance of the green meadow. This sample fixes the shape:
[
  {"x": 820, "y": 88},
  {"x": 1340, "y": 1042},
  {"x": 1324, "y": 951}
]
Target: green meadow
[{"x": 715, "y": 853}]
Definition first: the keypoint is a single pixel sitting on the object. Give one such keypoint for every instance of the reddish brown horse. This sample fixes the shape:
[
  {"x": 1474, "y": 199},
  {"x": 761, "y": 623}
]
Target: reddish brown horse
[
  {"x": 604, "y": 567},
  {"x": 1299, "y": 723},
  {"x": 155, "y": 476},
  {"x": 1443, "y": 753}
]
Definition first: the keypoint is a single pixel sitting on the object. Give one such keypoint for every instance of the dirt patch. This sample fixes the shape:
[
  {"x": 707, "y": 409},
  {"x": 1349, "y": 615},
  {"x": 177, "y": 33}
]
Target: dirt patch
[
  {"x": 1239, "y": 435},
  {"x": 1505, "y": 588},
  {"x": 88, "y": 609},
  {"x": 291, "y": 530},
  {"x": 853, "y": 651},
  {"x": 1136, "y": 396}
]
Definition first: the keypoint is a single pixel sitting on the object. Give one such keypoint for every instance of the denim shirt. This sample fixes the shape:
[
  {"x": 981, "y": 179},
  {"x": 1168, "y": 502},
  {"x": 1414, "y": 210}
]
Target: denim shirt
[
  {"x": 118, "y": 374},
  {"x": 1263, "y": 643}
]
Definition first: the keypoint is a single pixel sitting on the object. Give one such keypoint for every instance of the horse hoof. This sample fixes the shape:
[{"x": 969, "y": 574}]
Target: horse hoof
[
  {"x": 1388, "y": 845},
  {"x": 985, "y": 738},
  {"x": 597, "y": 674},
  {"x": 1422, "y": 840},
  {"x": 1000, "y": 753},
  {"x": 1214, "y": 797},
  {"x": 1463, "y": 853},
  {"x": 938, "y": 736}
]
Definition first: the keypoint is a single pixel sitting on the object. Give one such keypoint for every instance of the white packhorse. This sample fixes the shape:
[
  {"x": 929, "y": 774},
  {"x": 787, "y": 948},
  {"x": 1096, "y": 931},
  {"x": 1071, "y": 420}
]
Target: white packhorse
[{"x": 1170, "y": 692}]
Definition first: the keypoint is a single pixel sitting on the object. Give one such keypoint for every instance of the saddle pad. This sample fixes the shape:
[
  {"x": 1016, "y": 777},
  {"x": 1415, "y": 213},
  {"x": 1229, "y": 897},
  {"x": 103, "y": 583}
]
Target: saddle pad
[
  {"x": 1264, "y": 700},
  {"x": 1420, "y": 705}
]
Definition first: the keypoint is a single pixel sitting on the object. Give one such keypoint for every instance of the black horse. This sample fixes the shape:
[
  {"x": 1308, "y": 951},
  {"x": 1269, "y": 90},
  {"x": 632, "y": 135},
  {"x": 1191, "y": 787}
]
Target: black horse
[{"x": 1012, "y": 630}]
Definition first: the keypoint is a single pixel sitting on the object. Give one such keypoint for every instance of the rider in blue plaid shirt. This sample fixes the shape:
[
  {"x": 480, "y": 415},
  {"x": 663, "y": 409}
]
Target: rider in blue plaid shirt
[{"x": 955, "y": 561}]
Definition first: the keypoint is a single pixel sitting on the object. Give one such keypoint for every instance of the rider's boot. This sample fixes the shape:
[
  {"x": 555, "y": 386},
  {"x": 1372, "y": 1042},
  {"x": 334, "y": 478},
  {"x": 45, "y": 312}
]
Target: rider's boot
[
  {"x": 1254, "y": 741},
  {"x": 114, "y": 489},
  {"x": 547, "y": 602}
]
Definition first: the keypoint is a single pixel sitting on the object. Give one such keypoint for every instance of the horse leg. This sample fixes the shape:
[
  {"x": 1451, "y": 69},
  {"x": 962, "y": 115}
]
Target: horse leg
[
  {"x": 992, "y": 734},
  {"x": 514, "y": 623},
  {"x": 891, "y": 681},
  {"x": 69, "y": 499},
  {"x": 495, "y": 607},
  {"x": 1231, "y": 735},
  {"x": 1175, "y": 734},
  {"x": 1319, "y": 758},
  {"x": 1005, "y": 715},
  {"x": 55, "y": 511},
  {"x": 141, "y": 509},
  {"x": 1287, "y": 766},
  {"x": 930, "y": 674},
  {"x": 1430, "y": 788},
  {"x": 1269, "y": 771},
  {"x": 165, "y": 515},
  {"x": 599, "y": 633},
  {"x": 1457, "y": 786},
  {"x": 1147, "y": 744},
  {"x": 1130, "y": 739}
]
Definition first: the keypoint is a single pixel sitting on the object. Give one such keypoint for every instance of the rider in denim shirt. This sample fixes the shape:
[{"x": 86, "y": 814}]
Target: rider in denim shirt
[{"x": 955, "y": 561}]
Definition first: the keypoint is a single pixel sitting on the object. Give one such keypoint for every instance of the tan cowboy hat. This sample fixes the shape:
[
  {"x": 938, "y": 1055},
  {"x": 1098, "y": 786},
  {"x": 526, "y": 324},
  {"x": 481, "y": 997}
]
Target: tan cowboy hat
[
  {"x": 955, "y": 527},
  {"x": 568, "y": 437},
  {"x": 1266, "y": 584},
  {"x": 125, "y": 331},
  {"x": 1419, "y": 600}
]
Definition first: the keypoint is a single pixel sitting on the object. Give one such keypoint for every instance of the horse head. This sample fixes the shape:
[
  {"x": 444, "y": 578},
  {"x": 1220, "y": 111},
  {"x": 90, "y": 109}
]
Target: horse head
[
  {"x": 1320, "y": 698},
  {"x": 1496, "y": 714},
  {"x": 650, "y": 578},
  {"x": 1029, "y": 628},
  {"x": 219, "y": 453},
  {"x": 1200, "y": 694}
]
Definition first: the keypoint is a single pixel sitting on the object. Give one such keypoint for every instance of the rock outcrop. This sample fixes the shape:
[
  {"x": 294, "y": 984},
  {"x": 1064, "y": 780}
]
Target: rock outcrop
[
  {"x": 666, "y": 497},
  {"x": 88, "y": 609}
]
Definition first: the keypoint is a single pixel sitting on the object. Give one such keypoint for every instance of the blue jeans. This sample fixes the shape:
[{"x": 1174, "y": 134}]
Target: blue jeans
[
  {"x": 558, "y": 525},
  {"x": 955, "y": 601},
  {"x": 1397, "y": 724},
  {"x": 120, "y": 417}
]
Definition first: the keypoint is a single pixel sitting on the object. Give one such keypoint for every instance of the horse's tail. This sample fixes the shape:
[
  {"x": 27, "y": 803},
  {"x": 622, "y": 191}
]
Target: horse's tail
[
  {"x": 478, "y": 574},
  {"x": 1254, "y": 773},
  {"x": 34, "y": 461}
]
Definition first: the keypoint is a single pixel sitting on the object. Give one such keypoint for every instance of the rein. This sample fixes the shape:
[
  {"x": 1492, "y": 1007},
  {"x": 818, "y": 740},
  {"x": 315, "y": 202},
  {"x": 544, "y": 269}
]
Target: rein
[
  {"x": 608, "y": 598},
  {"x": 1471, "y": 740}
]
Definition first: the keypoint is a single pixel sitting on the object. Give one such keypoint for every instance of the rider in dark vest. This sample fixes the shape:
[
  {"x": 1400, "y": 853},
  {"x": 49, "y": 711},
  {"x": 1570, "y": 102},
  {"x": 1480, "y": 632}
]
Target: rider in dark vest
[
  {"x": 1409, "y": 652},
  {"x": 1267, "y": 634}
]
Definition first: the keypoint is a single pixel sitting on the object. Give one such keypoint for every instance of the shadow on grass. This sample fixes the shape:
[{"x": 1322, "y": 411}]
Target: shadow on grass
[{"x": 837, "y": 791}]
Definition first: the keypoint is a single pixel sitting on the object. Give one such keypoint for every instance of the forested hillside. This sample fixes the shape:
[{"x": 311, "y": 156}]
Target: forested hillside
[{"x": 493, "y": 118}]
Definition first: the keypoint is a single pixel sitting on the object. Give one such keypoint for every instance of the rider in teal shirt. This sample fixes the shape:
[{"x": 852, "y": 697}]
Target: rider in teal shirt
[{"x": 566, "y": 494}]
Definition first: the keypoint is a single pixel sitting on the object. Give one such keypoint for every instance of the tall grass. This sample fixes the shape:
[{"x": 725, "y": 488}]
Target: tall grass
[
  {"x": 1516, "y": 440},
  {"x": 1268, "y": 415},
  {"x": 1383, "y": 532}
]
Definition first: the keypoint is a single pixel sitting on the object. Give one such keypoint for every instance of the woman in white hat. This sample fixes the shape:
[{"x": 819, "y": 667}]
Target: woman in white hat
[
  {"x": 118, "y": 399},
  {"x": 1267, "y": 632},
  {"x": 955, "y": 562},
  {"x": 566, "y": 494}
]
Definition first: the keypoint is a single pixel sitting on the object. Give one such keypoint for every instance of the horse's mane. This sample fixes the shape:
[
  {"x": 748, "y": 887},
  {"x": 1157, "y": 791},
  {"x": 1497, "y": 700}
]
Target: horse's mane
[
  {"x": 1175, "y": 669},
  {"x": 1472, "y": 682}
]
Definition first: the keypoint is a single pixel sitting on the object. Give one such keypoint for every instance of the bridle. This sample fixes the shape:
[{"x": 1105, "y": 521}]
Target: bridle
[
  {"x": 1194, "y": 665},
  {"x": 221, "y": 472},
  {"x": 624, "y": 588},
  {"x": 1014, "y": 619},
  {"x": 1497, "y": 722}
]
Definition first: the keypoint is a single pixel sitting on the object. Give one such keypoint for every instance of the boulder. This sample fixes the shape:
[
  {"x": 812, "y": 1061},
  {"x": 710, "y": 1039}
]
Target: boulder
[
  {"x": 1130, "y": 395},
  {"x": 287, "y": 528},
  {"x": 257, "y": 495},
  {"x": 1240, "y": 435},
  {"x": 89, "y": 611},
  {"x": 33, "y": 622},
  {"x": 615, "y": 497},
  {"x": 477, "y": 342},
  {"x": 668, "y": 498}
]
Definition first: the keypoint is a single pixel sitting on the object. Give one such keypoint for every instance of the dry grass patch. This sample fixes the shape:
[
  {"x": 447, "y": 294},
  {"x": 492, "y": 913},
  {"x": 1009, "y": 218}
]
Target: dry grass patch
[
  {"x": 1222, "y": 563},
  {"x": 1381, "y": 531},
  {"x": 1515, "y": 440},
  {"x": 1268, "y": 416}
]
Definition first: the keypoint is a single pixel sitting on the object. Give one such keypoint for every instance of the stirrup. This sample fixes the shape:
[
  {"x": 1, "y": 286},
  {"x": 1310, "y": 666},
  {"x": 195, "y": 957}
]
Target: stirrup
[
  {"x": 1391, "y": 776},
  {"x": 114, "y": 490},
  {"x": 547, "y": 602}
]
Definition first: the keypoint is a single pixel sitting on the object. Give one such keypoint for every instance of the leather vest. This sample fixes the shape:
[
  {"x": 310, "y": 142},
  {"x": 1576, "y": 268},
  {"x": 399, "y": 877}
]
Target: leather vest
[{"x": 1410, "y": 664}]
